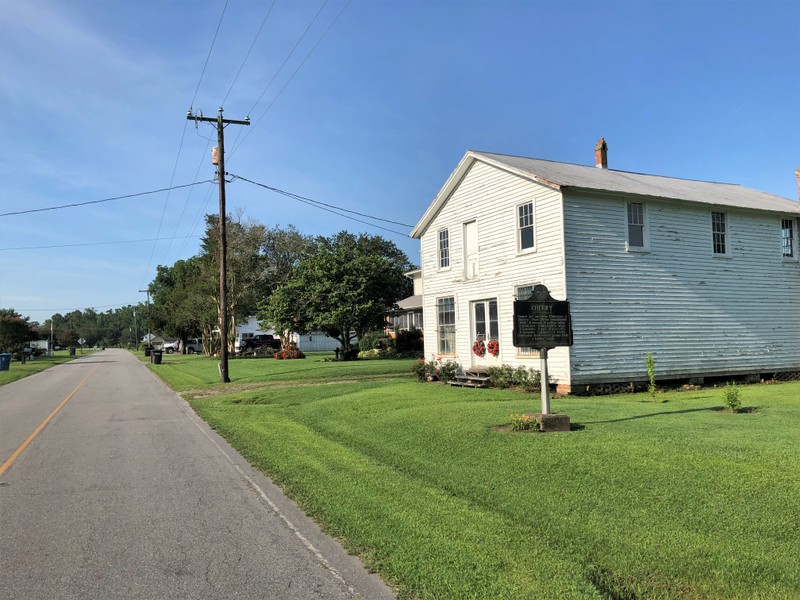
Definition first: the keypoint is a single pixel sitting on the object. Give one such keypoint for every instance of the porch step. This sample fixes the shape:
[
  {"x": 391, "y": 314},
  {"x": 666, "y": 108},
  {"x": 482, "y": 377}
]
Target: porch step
[{"x": 475, "y": 378}]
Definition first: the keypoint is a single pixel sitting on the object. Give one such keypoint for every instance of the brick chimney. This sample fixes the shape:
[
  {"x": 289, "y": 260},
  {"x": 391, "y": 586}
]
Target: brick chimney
[
  {"x": 601, "y": 154},
  {"x": 798, "y": 182}
]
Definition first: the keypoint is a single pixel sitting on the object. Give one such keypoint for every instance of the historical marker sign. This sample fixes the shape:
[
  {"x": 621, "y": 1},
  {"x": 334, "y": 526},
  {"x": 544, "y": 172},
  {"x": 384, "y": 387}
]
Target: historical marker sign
[{"x": 541, "y": 321}]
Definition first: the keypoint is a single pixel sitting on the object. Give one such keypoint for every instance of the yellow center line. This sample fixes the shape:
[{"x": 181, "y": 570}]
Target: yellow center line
[{"x": 4, "y": 467}]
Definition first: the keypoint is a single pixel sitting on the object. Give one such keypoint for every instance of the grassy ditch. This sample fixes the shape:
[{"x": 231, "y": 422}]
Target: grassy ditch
[{"x": 682, "y": 499}]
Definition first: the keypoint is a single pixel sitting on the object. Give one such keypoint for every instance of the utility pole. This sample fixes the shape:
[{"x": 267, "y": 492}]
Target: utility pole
[
  {"x": 149, "y": 336},
  {"x": 223, "y": 236}
]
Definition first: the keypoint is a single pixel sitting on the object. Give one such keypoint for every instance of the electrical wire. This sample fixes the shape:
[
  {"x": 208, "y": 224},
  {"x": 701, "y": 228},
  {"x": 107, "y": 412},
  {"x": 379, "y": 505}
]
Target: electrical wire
[
  {"x": 84, "y": 244},
  {"x": 328, "y": 207},
  {"x": 258, "y": 33},
  {"x": 216, "y": 33},
  {"x": 167, "y": 189},
  {"x": 236, "y": 144}
]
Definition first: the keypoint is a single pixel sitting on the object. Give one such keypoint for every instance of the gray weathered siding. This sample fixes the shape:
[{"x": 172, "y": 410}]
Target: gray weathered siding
[{"x": 697, "y": 313}]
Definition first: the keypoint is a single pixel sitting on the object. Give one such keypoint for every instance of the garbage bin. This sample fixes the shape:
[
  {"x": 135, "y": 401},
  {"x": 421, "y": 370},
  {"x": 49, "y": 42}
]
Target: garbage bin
[
  {"x": 156, "y": 356},
  {"x": 5, "y": 361},
  {"x": 72, "y": 350},
  {"x": 147, "y": 350}
]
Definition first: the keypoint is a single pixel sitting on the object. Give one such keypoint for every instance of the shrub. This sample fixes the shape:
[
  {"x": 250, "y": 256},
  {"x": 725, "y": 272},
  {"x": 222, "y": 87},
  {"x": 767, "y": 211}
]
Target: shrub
[
  {"x": 448, "y": 370},
  {"x": 529, "y": 380},
  {"x": 292, "y": 351},
  {"x": 350, "y": 354},
  {"x": 409, "y": 342},
  {"x": 732, "y": 395},
  {"x": 501, "y": 377},
  {"x": 436, "y": 369},
  {"x": 525, "y": 423},
  {"x": 375, "y": 340}
]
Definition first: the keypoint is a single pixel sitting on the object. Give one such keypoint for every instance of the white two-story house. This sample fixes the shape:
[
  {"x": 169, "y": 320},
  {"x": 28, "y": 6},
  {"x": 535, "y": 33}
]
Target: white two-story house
[{"x": 704, "y": 276}]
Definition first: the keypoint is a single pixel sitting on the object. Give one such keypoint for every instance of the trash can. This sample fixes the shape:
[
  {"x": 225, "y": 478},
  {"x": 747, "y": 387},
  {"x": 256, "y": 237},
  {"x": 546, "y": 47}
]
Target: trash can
[
  {"x": 5, "y": 361},
  {"x": 147, "y": 350},
  {"x": 72, "y": 350},
  {"x": 156, "y": 356}
]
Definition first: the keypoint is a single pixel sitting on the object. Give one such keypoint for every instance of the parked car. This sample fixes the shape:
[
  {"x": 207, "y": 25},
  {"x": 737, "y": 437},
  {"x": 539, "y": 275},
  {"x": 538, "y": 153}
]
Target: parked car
[
  {"x": 171, "y": 347},
  {"x": 260, "y": 341},
  {"x": 194, "y": 346}
]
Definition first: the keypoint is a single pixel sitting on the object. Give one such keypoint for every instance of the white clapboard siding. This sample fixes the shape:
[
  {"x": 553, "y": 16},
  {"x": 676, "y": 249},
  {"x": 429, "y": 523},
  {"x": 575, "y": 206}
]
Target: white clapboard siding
[
  {"x": 490, "y": 197},
  {"x": 698, "y": 314}
]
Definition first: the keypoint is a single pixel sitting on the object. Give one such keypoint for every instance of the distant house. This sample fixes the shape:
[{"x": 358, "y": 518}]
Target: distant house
[
  {"x": 314, "y": 341},
  {"x": 704, "y": 276},
  {"x": 407, "y": 313}
]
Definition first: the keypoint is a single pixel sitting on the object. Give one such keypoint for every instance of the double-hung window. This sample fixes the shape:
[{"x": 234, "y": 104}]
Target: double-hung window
[
  {"x": 444, "y": 249},
  {"x": 788, "y": 238},
  {"x": 525, "y": 233},
  {"x": 719, "y": 232},
  {"x": 636, "y": 229},
  {"x": 446, "y": 321},
  {"x": 524, "y": 292}
]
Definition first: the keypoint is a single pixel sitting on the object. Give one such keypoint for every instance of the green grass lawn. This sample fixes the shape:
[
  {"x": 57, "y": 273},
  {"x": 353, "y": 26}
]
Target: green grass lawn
[
  {"x": 676, "y": 499},
  {"x": 19, "y": 371}
]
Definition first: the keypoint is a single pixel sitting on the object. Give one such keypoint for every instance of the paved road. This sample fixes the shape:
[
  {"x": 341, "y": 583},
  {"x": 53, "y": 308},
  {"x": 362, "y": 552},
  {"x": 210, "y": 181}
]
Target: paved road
[{"x": 126, "y": 493}]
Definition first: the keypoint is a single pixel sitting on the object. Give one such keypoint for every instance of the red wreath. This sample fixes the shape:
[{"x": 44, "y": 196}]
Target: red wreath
[
  {"x": 479, "y": 348},
  {"x": 493, "y": 347}
]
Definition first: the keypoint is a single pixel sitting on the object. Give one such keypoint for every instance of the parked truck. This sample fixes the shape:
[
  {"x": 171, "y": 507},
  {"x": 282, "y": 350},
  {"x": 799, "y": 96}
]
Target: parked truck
[{"x": 259, "y": 342}]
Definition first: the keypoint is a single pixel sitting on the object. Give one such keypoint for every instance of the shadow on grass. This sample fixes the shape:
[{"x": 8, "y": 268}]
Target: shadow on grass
[
  {"x": 746, "y": 410},
  {"x": 657, "y": 414}
]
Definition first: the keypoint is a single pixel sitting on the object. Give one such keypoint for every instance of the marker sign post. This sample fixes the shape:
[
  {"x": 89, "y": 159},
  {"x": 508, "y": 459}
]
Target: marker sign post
[{"x": 542, "y": 322}]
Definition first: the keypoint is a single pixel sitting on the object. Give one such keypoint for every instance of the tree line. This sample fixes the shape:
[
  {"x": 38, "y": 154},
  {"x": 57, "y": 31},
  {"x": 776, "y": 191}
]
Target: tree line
[{"x": 342, "y": 285}]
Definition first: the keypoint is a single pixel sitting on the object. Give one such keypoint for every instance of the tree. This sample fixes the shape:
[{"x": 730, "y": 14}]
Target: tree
[
  {"x": 183, "y": 300},
  {"x": 15, "y": 331},
  {"x": 344, "y": 287}
]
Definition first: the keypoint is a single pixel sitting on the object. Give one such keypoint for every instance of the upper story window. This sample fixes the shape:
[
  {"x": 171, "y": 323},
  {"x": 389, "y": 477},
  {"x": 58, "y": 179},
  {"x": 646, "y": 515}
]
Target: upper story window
[
  {"x": 444, "y": 249},
  {"x": 524, "y": 292},
  {"x": 525, "y": 226},
  {"x": 787, "y": 238},
  {"x": 636, "y": 230},
  {"x": 719, "y": 232}
]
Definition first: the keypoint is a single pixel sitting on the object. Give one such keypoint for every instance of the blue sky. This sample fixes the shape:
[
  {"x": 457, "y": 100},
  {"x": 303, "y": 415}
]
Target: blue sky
[{"x": 372, "y": 112}]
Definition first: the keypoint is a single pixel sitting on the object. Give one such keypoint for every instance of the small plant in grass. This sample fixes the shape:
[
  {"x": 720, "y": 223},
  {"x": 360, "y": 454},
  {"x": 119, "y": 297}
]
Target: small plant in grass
[
  {"x": 732, "y": 395},
  {"x": 651, "y": 375},
  {"x": 524, "y": 423}
]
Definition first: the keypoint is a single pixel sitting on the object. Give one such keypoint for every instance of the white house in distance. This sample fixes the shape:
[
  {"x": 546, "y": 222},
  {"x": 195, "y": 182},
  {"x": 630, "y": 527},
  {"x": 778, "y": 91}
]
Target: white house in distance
[
  {"x": 704, "y": 276},
  {"x": 313, "y": 341}
]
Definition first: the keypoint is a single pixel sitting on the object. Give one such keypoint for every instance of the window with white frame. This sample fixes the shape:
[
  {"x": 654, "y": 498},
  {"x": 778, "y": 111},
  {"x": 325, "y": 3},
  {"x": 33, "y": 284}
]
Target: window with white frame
[
  {"x": 719, "y": 232},
  {"x": 525, "y": 231},
  {"x": 446, "y": 320},
  {"x": 787, "y": 237},
  {"x": 444, "y": 249},
  {"x": 524, "y": 292},
  {"x": 636, "y": 229}
]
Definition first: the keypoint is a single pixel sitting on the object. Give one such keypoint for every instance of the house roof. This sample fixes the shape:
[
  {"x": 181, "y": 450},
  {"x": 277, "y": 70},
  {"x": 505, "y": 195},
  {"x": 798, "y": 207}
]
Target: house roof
[
  {"x": 565, "y": 176},
  {"x": 410, "y": 303}
]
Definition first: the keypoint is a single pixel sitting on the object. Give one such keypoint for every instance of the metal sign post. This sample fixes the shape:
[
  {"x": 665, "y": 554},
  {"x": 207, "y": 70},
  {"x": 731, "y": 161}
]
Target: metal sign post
[{"x": 545, "y": 381}]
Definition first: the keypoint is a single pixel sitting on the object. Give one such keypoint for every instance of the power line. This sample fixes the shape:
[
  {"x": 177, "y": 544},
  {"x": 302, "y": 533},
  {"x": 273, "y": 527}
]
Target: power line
[
  {"x": 329, "y": 207},
  {"x": 167, "y": 189},
  {"x": 197, "y": 89},
  {"x": 258, "y": 33},
  {"x": 278, "y": 95},
  {"x": 84, "y": 244}
]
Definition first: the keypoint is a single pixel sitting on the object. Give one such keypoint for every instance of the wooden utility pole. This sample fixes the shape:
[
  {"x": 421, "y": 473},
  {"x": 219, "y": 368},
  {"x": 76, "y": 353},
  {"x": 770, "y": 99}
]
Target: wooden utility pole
[{"x": 223, "y": 236}]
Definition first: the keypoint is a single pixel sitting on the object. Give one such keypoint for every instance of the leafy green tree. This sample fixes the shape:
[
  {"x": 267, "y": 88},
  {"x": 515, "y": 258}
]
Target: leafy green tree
[
  {"x": 344, "y": 287},
  {"x": 184, "y": 300},
  {"x": 15, "y": 331}
]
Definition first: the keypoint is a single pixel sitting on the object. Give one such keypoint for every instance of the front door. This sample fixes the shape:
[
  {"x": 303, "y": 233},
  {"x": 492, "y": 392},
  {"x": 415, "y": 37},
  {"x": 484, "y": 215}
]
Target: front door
[{"x": 486, "y": 329}]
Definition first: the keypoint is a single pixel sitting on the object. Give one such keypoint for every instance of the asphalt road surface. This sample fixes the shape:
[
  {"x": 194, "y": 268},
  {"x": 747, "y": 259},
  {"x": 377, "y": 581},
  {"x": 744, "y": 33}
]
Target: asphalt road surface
[{"x": 125, "y": 493}]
